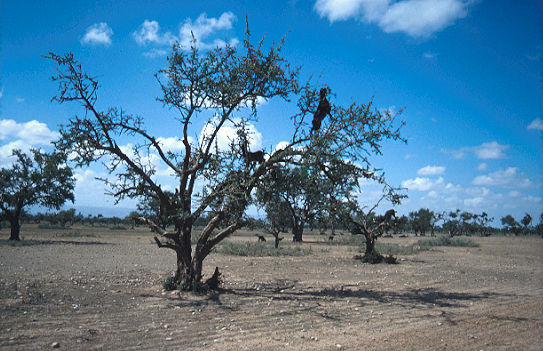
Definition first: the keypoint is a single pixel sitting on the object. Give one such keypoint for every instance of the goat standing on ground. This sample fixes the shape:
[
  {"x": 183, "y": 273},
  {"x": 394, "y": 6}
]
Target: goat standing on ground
[{"x": 323, "y": 110}]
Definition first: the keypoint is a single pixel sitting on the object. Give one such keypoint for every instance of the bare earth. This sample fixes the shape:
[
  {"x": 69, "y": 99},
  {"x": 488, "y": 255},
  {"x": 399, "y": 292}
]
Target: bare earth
[{"x": 105, "y": 292}]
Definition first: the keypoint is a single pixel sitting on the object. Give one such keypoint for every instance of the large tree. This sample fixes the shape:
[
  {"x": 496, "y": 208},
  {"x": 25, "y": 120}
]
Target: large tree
[
  {"x": 308, "y": 187},
  {"x": 226, "y": 83},
  {"x": 37, "y": 179}
]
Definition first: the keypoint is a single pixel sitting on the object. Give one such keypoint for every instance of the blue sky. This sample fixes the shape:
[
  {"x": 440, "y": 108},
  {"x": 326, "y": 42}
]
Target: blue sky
[{"x": 468, "y": 74}]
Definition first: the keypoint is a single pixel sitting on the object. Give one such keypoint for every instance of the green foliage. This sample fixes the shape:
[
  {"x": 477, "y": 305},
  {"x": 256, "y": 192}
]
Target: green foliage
[
  {"x": 39, "y": 179},
  {"x": 446, "y": 241},
  {"x": 50, "y": 226},
  {"x": 169, "y": 284},
  {"x": 421, "y": 220},
  {"x": 259, "y": 249},
  {"x": 117, "y": 227}
]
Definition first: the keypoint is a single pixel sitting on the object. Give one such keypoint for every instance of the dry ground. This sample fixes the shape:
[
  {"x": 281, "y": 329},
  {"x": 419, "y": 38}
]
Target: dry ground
[{"x": 105, "y": 292}]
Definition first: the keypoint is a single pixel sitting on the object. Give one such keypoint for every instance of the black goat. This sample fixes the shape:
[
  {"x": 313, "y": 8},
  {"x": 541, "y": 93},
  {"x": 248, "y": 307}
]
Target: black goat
[{"x": 323, "y": 110}]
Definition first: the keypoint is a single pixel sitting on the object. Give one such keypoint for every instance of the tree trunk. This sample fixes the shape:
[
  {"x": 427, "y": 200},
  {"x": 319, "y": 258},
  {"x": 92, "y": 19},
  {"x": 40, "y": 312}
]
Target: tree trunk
[
  {"x": 15, "y": 229},
  {"x": 297, "y": 231},
  {"x": 370, "y": 244}
]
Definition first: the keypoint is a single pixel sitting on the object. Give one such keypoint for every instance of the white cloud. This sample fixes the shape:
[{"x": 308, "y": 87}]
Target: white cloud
[
  {"x": 421, "y": 18},
  {"x": 155, "y": 53},
  {"x": 429, "y": 55},
  {"x": 537, "y": 124},
  {"x": 33, "y": 132},
  {"x": 509, "y": 178},
  {"x": 421, "y": 184},
  {"x": 431, "y": 170},
  {"x": 485, "y": 151},
  {"x": 149, "y": 33},
  {"x": 491, "y": 150},
  {"x": 98, "y": 34},
  {"x": 482, "y": 167},
  {"x": 173, "y": 144},
  {"x": 202, "y": 29},
  {"x": 19, "y": 100},
  {"x": 228, "y": 133},
  {"x": 417, "y": 18},
  {"x": 6, "y": 151}
]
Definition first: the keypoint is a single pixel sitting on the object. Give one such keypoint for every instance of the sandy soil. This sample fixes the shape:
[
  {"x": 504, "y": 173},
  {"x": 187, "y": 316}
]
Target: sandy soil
[{"x": 105, "y": 292}]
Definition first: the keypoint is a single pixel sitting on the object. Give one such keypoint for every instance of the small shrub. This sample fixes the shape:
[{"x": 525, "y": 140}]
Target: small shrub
[
  {"x": 118, "y": 227},
  {"x": 51, "y": 226},
  {"x": 259, "y": 249},
  {"x": 446, "y": 241},
  {"x": 395, "y": 249},
  {"x": 169, "y": 284},
  {"x": 375, "y": 257}
]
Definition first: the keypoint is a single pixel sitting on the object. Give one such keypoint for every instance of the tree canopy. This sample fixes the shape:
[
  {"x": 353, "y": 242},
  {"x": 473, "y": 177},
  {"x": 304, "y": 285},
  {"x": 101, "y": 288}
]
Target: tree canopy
[
  {"x": 227, "y": 83},
  {"x": 38, "y": 179}
]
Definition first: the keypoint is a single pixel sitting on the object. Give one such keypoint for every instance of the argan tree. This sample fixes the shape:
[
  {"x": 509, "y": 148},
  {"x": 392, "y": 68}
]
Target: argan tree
[
  {"x": 38, "y": 179},
  {"x": 365, "y": 222},
  {"x": 307, "y": 187},
  {"x": 511, "y": 224},
  {"x": 226, "y": 83}
]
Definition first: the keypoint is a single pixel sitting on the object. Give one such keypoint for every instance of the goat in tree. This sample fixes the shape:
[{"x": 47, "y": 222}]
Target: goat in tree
[
  {"x": 250, "y": 157},
  {"x": 323, "y": 110}
]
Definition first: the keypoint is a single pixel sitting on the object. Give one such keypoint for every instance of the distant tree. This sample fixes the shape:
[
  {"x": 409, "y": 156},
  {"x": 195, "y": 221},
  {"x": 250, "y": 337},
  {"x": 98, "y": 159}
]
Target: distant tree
[
  {"x": 400, "y": 224},
  {"x": 511, "y": 224},
  {"x": 40, "y": 179},
  {"x": 421, "y": 220},
  {"x": 452, "y": 223},
  {"x": 539, "y": 226},
  {"x": 278, "y": 217},
  {"x": 370, "y": 225},
  {"x": 225, "y": 86},
  {"x": 483, "y": 221},
  {"x": 150, "y": 207},
  {"x": 66, "y": 216},
  {"x": 526, "y": 221},
  {"x": 308, "y": 188}
]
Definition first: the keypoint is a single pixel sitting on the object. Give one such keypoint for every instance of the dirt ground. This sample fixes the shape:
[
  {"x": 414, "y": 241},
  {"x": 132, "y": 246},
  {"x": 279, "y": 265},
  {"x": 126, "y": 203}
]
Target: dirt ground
[{"x": 104, "y": 291}]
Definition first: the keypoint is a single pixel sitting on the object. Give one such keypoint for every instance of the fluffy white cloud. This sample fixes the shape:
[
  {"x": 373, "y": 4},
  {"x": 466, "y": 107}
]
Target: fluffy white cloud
[
  {"x": 33, "y": 132},
  {"x": 202, "y": 29},
  {"x": 228, "y": 133},
  {"x": 421, "y": 184},
  {"x": 482, "y": 167},
  {"x": 509, "y": 178},
  {"x": 98, "y": 34},
  {"x": 431, "y": 170},
  {"x": 148, "y": 32},
  {"x": 537, "y": 124},
  {"x": 417, "y": 18},
  {"x": 429, "y": 55},
  {"x": 491, "y": 150},
  {"x": 485, "y": 151}
]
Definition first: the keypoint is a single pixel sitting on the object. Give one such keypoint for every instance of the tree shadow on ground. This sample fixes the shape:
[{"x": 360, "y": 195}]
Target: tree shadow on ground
[
  {"x": 408, "y": 297},
  {"x": 34, "y": 242}
]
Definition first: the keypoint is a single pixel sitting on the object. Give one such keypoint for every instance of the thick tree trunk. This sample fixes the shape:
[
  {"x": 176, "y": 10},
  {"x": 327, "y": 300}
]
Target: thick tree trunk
[
  {"x": 370, "y": 244},
  {"x": 297, "y": 232},
  {"x": 15, "y": 229}
]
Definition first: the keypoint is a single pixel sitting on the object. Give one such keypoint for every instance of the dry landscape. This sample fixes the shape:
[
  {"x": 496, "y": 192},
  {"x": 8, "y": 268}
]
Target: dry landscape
[{"x": 95, "y": 288}]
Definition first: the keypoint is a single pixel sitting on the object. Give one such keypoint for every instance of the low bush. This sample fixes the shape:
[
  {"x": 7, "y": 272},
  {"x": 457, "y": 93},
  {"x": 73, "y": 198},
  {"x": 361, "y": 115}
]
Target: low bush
[
  {"x": 259, "y": 249},
  {"x": 446, "y": 241},
  {"x": 51, "y": 226}
]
